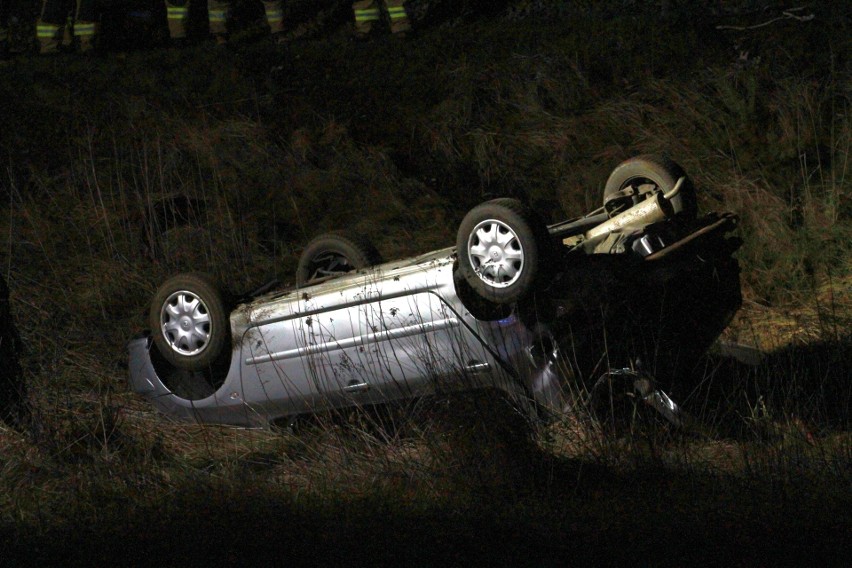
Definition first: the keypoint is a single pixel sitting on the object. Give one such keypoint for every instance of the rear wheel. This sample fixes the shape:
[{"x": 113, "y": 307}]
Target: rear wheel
[
  {"x": 639, "y": 178},
  {"x": 333, "y": 254},
  {"x": 189, "y": 321},
  {"x": 501, "y": 247}
]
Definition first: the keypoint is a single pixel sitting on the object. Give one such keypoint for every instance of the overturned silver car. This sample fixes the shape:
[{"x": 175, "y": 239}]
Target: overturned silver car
[{"x": 642, "y": 286}]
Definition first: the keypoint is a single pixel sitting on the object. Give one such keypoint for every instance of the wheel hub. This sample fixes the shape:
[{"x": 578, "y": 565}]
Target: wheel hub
[
  {"x": 496, "y": 253},
  {"x": 185, "y": 323}
]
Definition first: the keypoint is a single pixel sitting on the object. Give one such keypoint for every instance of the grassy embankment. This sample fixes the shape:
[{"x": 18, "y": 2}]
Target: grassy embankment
[{"x": 397, "y": 140}]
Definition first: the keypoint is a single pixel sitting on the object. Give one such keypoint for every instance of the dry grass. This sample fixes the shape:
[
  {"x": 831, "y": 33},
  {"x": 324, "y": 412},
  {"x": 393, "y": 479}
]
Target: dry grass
[{"x": 277, "y": 151}]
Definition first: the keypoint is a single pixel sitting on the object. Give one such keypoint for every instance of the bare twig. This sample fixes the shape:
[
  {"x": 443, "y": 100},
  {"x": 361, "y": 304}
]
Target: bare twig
[{"x": 785, "y": 15}]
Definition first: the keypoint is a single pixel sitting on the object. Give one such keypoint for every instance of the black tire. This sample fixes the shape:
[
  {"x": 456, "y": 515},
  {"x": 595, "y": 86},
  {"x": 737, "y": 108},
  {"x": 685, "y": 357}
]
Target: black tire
[
  {"x": 479, "y": 307},
  {"x": 504, "y": 272},
  {"x": 659, "y": 171},
  {"x": 189, "y": 321},
  {"x": 333, "y": 254}
]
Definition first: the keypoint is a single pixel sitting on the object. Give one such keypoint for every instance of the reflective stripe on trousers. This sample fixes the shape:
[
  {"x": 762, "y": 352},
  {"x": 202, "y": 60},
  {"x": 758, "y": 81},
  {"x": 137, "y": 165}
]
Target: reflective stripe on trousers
[
  {"x": 274, "y": 15},
  {"x": 370, "y": 15},
  {"x": 85, "y": 30},
  {"x": 177, "y": 12},
  {"x": 369, "y": 11},
  {"x": 48, "y": 31},
  {"x": 396, "y": 13}
]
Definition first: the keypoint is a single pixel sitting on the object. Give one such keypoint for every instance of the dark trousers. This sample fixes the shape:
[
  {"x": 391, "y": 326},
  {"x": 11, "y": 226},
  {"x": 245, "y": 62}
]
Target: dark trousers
[
  {"x": 60, "y": 17},
  {"x": 4, "y": 19},
  {"x": 4, "y": 23},
  {"x": 58, "y": 11}
]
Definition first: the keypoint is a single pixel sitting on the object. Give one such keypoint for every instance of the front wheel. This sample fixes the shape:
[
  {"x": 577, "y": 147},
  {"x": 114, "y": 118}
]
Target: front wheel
[
  {"x": 189, "y": 321},
  {"x": 500, "y": 246}
]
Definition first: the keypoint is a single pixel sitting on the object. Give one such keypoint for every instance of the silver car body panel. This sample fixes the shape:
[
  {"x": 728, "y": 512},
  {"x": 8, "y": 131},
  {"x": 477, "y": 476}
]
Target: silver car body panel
[{"x": 391, "y": 332}]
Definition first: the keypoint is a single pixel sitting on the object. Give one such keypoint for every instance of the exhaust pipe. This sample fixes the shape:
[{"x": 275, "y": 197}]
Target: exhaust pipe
[{"x": 658, "y": 207}]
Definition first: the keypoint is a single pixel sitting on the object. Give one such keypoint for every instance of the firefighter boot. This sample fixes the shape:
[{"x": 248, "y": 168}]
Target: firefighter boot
[
  {"x": 366, "y": 17},
  {"x": 399, "y": 22},
  {"x": 177, "y": 14},
  {"x": 274, "y": 17},
  {"x": 85, "y": 34},
  {"x": 49, "y": 37},
  {"x": 218, "y": 12}
]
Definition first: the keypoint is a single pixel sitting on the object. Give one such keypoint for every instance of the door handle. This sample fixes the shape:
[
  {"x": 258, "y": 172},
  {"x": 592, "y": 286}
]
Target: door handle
[
  {"x": 476, "y": 367},
  {"x": 356, "y": 387}
]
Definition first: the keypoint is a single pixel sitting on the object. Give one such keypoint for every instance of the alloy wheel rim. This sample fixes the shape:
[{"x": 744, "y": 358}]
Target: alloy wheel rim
[
  {"x": 496, "y": 253},
  {"x": 185, "y": 323}
]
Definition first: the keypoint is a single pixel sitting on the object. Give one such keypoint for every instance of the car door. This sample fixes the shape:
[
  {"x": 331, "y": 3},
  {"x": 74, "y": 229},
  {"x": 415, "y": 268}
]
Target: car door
[
  {"x": 411, "y": 344},
  {"x": 375, "y": 348}
]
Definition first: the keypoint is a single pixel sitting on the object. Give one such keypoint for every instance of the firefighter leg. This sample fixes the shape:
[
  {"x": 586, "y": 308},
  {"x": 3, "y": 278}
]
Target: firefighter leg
[
  {"x": 399, "y": 22},
  {"x": 177, "y": 12},
  {"x": 51, "y": 26},
  {"x": 4, "y": 28},
  {"x": 366, "y": 16},
  {"x": 218, "y": 12},
  {"x": 274, "y": 15},
  {"x": 86, "y": 25}
]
